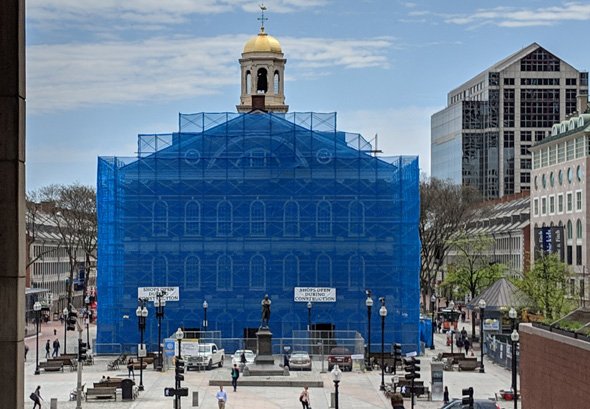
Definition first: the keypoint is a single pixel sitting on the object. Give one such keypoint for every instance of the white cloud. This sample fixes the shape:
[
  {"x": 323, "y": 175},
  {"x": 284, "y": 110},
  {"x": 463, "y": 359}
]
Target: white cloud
[
  {"x": 401, "y": 131},
  {"x": 66, "y": 76},
  {"x": 524, "y": 17}
]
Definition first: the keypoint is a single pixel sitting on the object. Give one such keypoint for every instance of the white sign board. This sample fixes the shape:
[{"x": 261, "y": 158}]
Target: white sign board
[
  {"x": 172, "y": 293},
  {"x": 141, "y": 351},
  {"x": 491, "y": 325},
  {"x": 315, "y": 294}
]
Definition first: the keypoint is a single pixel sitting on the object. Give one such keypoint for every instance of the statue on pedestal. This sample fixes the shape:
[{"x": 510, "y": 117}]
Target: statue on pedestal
[{"x": 265, "y": 311}]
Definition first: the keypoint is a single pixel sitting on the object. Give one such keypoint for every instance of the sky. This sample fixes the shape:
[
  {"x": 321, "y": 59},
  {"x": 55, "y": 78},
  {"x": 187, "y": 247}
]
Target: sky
[{"x": 101, "y": 72}]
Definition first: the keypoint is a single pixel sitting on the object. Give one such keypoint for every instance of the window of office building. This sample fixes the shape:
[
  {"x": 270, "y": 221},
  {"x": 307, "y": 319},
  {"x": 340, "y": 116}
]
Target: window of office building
[
  {"x": 578, "y": 255},
  {"x": 539, "y": 108},
  {"x": 540, "y": 60},
  {"x": 509, "y": 109},
  {"x": 569, "y": 202},
  {"x": 560, "y": 203},
  {"x": 578, "y": 200},
  {"x": 570, "y": 230},
  {"x": 570, "y": 101},
  {"x": 536, "y": 207},
  {"x": 551, "y": 204},
  {"x": 579, "y": 230}
]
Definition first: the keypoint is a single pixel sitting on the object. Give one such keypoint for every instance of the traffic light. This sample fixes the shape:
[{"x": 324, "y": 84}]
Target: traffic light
[
  {"x": 397, "y": 355},
  {"x": 82, "y": 349},
  {"x": 467, "y": 398},
  {"x": 411, "y": 366},
  {"x": 71, "y": 320},
  {"x": 182, "y": 392},
  {"x": 169, "y": 392},
  {"x": 179, "y": 370}
]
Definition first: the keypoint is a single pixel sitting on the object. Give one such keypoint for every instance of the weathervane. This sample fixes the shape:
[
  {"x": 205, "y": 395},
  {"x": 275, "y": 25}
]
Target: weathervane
[{"x": 262, "y": 19}]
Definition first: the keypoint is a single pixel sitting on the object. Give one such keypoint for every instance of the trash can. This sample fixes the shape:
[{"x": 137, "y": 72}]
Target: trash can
[
  {"x": 127, "y": 389},
  {"x": 53, "y": 403}
]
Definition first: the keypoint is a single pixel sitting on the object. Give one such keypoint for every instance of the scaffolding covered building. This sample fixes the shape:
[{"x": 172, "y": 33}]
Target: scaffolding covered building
[{"x": 234, "y": 206}]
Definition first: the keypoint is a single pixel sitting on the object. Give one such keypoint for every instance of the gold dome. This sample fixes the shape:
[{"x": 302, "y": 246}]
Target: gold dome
[{"x": 262, "y": 43}]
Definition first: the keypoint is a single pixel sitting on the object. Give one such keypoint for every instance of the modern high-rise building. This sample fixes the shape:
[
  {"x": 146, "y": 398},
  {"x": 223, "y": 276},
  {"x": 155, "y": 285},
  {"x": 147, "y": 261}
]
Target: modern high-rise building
[{"x": 482, "y": 138}]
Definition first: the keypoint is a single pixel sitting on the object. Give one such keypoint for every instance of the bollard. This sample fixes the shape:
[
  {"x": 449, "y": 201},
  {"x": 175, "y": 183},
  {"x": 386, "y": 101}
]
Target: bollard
[
  {"x": 195, "y": 399},
  {"x": 332, "y": 399},
  {"x": 53, "y": 403}
]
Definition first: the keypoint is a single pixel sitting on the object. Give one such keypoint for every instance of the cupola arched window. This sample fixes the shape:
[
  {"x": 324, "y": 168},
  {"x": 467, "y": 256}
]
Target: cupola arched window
[
  {"x": 248, "y": 82},
  {"x": 262, "y": 81},
  {"x": 276, "y": 82}
]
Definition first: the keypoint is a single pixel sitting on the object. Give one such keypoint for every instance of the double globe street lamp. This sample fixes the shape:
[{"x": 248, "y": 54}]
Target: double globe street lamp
[
  {"x": 37, "y": 309},
  {"x": 205, "y": 323},
  {"x": 160, "y": 303},
  {"x": 383, "y": 314},
  {"x": 369, "y": 304},
  {"x": 432, "y": 324},
  {"x": 515, "y": 337},
  {"x": 309, "y": 316},
  {"x": 482, "y": 307},
  {"x": 336, "y": 375},
  {"x": 142, "y": 313}
]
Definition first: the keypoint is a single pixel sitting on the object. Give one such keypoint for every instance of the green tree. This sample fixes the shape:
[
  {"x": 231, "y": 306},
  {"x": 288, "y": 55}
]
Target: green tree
[
  {"x": 472, "y": 269},
  {"x": 546, "y": 284}
]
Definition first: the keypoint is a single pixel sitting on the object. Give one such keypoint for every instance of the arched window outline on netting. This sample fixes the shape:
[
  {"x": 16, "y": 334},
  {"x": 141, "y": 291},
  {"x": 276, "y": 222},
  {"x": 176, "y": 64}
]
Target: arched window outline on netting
[
  {"x": 356, "y": 272},
  {"x": 159, "y": 270},
  {"x": 192, "y": 273},
  {"x": 323, "y": 268},
  {"x": 224, "y": 218},
  {"x": 224, "y": 279},
  {"x": 356, "y": 218},
  {"x": 160, "y": 218},
  {"x": 291, "y": 218},
  {"x": 257, "y": 272},
  {"x": 290, "y": 271},
  {"x": 192, "y": 218},
  {"x": 570, "y": 230},
  {"x": 323, "y": 218},
  {"x": 257, "y": 218},
  {"x": 276, "y": 82},
  {"x": 248, "y": 82},
  {"x": 579, "y": 230}
]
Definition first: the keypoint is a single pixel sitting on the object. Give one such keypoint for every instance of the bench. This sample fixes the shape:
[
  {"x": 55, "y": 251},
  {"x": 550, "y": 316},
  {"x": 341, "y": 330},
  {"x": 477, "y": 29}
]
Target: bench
[
  {"x": 454, "y": 357},
  {"x": 468, "y": 364},
  {"x": 101, "y": 393},
  {"x": 137, "y": 365},
  {"x": 419, "y": 390},
  {"x": 52, "y": 366},
  {"x": 66, "y": 360}
]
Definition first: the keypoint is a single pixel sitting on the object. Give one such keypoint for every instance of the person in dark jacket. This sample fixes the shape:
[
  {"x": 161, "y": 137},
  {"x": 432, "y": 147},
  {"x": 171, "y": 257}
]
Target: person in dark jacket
[
  {"x": 397, "y": 401},
  {"x": 446, "y": 395}
]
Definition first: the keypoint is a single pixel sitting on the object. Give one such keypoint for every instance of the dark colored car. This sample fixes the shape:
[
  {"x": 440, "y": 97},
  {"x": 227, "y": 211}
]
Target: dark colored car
[
  {"x": 477, "y": 404},
  {"x": 340, "y": 356}
]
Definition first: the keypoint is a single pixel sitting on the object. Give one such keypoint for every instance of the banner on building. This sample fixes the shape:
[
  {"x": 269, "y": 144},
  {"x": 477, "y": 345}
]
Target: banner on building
[
  {"x": 549, "y": 240},
  {"x": 149, "y": 293},
  {"x": 315, "y": 294}
]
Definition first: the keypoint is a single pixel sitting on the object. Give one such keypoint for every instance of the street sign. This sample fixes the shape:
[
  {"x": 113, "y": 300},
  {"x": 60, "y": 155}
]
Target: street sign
[
  {"x": 314, "y": 294},
  {"x": 141, "y": 351},
  {"x": 149, "y": 293}
]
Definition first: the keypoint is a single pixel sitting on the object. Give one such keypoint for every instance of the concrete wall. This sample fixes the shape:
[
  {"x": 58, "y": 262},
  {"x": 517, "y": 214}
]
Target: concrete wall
[{"x": 553, "y": 370}]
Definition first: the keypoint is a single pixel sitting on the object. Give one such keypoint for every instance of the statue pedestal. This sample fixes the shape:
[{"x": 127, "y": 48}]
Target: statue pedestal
[{"x": 264, "y": 345}]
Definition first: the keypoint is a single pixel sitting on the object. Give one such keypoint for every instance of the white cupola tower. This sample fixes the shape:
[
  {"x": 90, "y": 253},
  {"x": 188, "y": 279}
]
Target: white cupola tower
[{"x": 262, "y": 73}]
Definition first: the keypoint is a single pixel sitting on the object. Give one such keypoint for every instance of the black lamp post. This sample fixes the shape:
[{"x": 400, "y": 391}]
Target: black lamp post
[
  {"x": 142, "y": 313},
  {"x": 336, "y": 375},
  {"x": 37, "y": 309},
  {"x": 369, "y": 304},
  {"x": 482, "y": 307},
  {"x": 205, "y": 323},
  {"x": 452, "y": 329},
  {"x": 159, "y": 303},
  {"x": 179, "y": 336},
  {"x": 514, "y": 336},
  {"x": 383, "y": 314},
  {"x": 308, "y": 316},
  {"x": 87, "y": 303},
  {"x": 432, "y": 305},
  {"x": 66, "y": 312}
]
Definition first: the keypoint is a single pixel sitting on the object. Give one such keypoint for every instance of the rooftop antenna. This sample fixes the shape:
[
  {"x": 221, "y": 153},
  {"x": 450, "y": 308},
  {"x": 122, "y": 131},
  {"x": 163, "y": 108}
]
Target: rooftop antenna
[{"x": 262, "y": 19}]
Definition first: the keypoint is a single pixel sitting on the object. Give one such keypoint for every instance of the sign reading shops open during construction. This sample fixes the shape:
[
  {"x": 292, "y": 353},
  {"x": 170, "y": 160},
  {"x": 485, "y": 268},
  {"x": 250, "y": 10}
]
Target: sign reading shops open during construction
[
  {"x": 315, "y": 294},
  {"x": 172, "y": 293}
]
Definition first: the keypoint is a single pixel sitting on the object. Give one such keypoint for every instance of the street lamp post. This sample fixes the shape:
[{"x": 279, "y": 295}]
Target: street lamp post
[
  {"x": 142, "y": 313},
  {"x": 66, "y": 312},
  {"x": 205, "y": 323},
  {"x": 369, "y": 304},
  {"x": 433, "y": 325},
  {"x": 87, "y": 302},
  {"x": 336, "y": 375},
  {"x": 515, "y": 338},
  {"x": 308, "y": 316},
  {"x": 383, "y": 314},
  {"x": 482, "y": 307},
  {"x": 37, "y": 309},
  {"x": 179, "y": 337},
  {"x": 159, "y": 303},
  {"x": 452, "y": 328}
]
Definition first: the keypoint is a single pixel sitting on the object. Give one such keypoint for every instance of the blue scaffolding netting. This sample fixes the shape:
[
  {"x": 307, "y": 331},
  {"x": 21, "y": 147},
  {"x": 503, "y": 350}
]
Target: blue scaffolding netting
[{"x": 235, "y": 206}]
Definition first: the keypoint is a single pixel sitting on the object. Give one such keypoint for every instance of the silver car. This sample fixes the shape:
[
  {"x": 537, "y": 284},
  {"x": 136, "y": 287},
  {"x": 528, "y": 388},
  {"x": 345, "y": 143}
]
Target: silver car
[
  {"x": 250, "y": 355},
  {"x": 300, "y": 360}
]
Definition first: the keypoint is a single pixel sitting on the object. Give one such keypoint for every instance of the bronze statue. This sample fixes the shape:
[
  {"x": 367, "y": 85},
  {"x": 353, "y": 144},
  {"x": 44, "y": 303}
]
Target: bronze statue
[{"x": 265, "y": 311}]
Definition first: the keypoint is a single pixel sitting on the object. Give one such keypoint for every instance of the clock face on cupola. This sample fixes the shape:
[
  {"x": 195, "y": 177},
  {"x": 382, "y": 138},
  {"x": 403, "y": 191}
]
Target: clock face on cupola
[{"x": 262, "y": 73}]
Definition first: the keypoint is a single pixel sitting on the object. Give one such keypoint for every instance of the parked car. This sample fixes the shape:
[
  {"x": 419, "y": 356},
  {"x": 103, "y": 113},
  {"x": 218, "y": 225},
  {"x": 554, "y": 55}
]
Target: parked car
[
  {"x": 206, "y": 355},
  {"x": 340, "y": 356},
  {"x": 250, "y": 356},
  {"x": 300, "y": 360},
  {"x": 477, "y": 404}
]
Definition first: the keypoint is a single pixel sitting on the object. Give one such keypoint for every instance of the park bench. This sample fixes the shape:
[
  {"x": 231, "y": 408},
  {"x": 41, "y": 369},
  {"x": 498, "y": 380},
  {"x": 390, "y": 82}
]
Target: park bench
[
  {"x": 137, "y": 364},
  {"x": 67, "y": 360},
  {"x": 454, "y": 357},
  {"x": 52, "y": 366},
  {"x": 109, "y": 383},
  {"x": 101, "y": 393},
  {"x": 468, "y": 364}
]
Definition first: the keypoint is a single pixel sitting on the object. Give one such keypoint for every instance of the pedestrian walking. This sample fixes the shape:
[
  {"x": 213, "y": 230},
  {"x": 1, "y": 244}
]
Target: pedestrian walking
[
  {"x": 36, "y": 397},
  {"x": 304, "y": 398},
  {"x": 56, "y": 347},
  {"x": 463, "y": 333},
  {"x": 466, "y": 345},
  {"x": 446, "y": 395},
  {"x": 235, "y": 374},
  {"x": 221, "y": 398},
  {"x": 286, "y": 361},
  {"x": 54, "y": 331},
  {"x": 26, "y": 351},
  {"x": 397, "y": 401},
  {"x": 130, "y": 371},
  {"x": 47, "y": 349}
]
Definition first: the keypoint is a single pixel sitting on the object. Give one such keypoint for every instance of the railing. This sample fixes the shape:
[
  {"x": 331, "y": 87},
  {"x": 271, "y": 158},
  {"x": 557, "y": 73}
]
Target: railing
[{"x": 499, "y": 350}]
